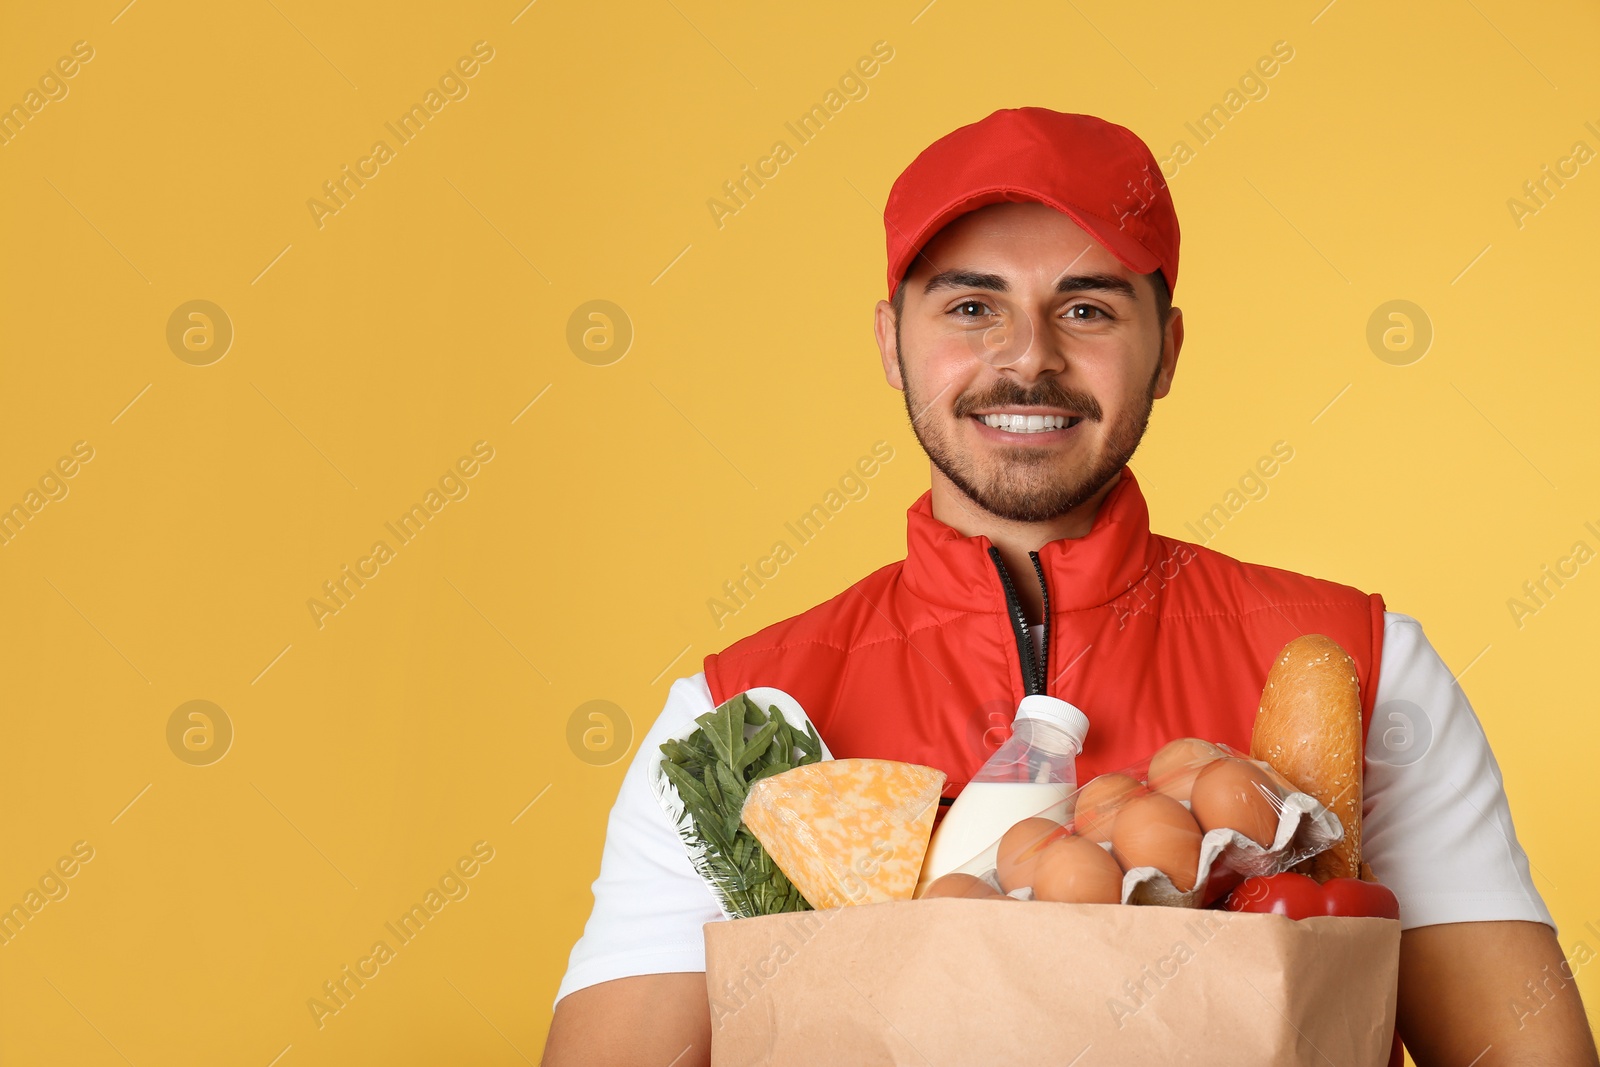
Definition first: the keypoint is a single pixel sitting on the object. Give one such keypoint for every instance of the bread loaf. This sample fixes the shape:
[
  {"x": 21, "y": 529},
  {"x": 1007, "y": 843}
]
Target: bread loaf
[{"x": 1308, "y": 726}]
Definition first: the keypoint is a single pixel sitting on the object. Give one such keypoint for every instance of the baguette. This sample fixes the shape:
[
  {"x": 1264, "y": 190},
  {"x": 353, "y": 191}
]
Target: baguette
[{"x": 1308, "y": 726}]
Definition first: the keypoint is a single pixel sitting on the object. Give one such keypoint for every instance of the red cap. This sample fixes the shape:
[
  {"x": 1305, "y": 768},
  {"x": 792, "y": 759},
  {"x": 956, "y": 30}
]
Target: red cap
[{"x": 1098, "y": 173}]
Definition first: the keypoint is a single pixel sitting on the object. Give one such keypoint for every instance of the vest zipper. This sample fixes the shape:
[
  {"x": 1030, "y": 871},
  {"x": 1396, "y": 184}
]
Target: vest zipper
[{"x": 1035, "y": 674}]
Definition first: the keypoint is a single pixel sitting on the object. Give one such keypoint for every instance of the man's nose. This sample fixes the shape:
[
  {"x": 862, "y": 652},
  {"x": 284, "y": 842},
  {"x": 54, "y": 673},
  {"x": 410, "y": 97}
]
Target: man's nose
[{"x": 1022, "y": 344}]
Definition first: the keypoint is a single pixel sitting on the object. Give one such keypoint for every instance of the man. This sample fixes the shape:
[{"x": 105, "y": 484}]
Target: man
[{"x": 1032, "y": 256}]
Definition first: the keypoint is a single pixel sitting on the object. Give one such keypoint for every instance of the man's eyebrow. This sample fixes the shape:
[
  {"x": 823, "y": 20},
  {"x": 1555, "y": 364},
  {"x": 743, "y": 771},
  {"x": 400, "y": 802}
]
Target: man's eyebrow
[
  {"x": 966, "y": 279},
  {"x": 1069, "y": 283},
  {"x": 1105, "y": 283}
]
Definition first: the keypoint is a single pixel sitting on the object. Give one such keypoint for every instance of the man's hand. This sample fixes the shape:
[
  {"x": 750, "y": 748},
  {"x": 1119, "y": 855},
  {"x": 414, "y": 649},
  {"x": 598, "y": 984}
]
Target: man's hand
[
  {"x": 651, "y": 1020},
  {"x": 1491, "y": 994}
]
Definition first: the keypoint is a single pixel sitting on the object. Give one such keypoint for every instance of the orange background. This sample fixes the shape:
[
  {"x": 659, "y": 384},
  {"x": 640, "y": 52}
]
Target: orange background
[{"x": 432, "y": 711}]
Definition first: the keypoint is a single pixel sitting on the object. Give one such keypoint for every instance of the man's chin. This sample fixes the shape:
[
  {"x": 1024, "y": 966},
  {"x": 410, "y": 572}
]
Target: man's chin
[{"x": 1032, "y": 500}]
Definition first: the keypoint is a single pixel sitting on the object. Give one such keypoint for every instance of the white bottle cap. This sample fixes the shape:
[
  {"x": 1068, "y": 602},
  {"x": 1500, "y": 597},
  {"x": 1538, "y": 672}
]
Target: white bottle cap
[{"x": 1056, "y": 712}]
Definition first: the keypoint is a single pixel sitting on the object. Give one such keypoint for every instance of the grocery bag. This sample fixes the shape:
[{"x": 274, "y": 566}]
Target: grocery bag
[{"x": 1013, "y": 983}]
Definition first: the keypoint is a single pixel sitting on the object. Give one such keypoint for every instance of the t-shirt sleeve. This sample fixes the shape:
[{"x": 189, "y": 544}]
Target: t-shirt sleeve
[
  {"x": 649, "y": 904},
  {"x": 1436, "y": 823}
]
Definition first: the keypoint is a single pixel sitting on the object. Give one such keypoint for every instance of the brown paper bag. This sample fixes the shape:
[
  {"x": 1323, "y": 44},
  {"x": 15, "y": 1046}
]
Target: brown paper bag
[{"x": 1011, "y": 983}]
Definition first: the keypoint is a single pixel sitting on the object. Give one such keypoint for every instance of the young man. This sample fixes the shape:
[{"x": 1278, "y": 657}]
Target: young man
[{"x": 1032, "y": 257}]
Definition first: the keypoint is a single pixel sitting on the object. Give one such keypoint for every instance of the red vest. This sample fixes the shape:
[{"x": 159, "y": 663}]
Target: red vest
[{"x": 1152, "y": 637}]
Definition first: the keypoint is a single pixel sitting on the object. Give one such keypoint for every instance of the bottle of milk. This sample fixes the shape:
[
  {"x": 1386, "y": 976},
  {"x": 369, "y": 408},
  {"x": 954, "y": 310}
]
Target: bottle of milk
[{"x": 1033, "y": 773}]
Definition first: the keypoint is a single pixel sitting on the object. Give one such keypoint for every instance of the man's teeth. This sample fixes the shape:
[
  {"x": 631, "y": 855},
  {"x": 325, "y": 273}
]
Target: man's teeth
[{"x": 1027, "y": 423}]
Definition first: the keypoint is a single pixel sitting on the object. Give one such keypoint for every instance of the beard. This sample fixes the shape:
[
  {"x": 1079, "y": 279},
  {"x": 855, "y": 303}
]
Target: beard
[{"x": 1029, "y": 485}]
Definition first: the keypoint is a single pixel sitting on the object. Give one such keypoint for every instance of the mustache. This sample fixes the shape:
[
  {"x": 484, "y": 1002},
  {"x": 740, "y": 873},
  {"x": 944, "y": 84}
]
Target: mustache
[{"x": 1047, "y": 393}]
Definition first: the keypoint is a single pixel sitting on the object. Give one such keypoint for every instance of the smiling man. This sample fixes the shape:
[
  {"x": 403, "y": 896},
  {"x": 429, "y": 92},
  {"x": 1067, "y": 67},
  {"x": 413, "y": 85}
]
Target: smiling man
[{"x": 1032, "y": 258}]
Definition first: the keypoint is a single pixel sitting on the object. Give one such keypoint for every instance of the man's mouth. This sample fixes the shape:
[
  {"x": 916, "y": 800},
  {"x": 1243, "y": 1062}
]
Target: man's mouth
[{"x": 1026, "y": 424}]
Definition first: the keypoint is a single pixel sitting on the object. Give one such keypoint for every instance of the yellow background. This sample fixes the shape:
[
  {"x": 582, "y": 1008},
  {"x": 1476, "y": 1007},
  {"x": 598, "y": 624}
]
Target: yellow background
[{"x": 369, "y": 354}]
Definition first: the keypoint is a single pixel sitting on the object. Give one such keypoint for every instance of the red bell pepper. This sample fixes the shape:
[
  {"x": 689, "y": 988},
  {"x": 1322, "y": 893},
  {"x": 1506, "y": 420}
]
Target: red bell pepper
[{"x": 1298, "y": 896}]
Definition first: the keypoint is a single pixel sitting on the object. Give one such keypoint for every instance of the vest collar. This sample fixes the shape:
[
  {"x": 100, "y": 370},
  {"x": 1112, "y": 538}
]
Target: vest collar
[{"x": 947, "y": 568}]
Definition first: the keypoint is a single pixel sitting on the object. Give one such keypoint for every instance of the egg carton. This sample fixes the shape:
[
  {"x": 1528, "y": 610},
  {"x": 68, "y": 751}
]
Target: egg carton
[{"x": 1305, "y": 828}]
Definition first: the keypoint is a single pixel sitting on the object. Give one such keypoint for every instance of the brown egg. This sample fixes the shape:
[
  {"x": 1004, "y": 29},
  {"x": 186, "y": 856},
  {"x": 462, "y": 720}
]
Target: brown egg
[
  {"x": 956, "y": 884},
  {"x": 1075, "y": 870},
  {"x": 1172, "y": 769},
  {"x": 1020, "y": 848},
  {"x": 1098, "y": 804},
  {"x": 1239, "y": 795},
  {"x": 1156, "y": 831}
]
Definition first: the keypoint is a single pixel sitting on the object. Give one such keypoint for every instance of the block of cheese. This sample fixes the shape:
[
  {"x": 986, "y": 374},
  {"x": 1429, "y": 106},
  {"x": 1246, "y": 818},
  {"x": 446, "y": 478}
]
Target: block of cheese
[{"x": 848, "y": 831}]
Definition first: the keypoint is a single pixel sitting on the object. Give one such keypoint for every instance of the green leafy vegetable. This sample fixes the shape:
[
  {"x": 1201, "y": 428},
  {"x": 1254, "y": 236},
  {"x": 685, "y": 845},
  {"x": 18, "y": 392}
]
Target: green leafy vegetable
[{"x": 712, "y": 770}]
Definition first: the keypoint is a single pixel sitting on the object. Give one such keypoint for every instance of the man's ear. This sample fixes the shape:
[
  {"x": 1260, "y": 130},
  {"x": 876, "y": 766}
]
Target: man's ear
[
  {"x": 1171, "y": 344},
  {"x": 883, "y": 328}
]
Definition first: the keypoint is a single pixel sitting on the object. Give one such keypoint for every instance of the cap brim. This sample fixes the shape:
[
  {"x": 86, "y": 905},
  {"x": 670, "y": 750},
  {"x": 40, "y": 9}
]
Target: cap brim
[{"x": 1129, "y": 252}]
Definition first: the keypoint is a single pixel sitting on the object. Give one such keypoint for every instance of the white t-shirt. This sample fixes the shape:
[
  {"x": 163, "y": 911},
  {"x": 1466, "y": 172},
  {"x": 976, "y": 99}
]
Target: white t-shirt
[{"x": 1435, "y": 822}]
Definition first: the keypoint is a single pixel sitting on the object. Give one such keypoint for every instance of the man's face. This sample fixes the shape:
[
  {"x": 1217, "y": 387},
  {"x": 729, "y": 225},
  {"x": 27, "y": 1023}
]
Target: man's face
[{"x": 1015, "y": 317}]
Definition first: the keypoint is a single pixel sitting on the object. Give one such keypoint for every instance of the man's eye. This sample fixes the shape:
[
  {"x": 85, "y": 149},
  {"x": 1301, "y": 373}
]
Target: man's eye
[
  {"x": 958, "y": 309},
  {"x": 1072, "y": 312}
]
